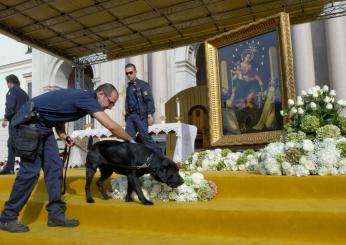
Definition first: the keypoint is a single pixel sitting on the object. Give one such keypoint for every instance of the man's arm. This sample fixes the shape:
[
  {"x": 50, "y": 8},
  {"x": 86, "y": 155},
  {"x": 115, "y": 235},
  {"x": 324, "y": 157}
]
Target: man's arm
[
  {"x": 10, "y": 107},
  {"x": 149, "y": 101},
  {"x": 61, "y": 132},
  {"x": 112, "y": 126}
]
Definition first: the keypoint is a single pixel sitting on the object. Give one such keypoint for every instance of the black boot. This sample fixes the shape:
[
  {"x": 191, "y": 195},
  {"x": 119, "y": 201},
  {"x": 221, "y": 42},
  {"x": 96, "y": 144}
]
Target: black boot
[
  {"x": 13, "y": 226},
  {"x": 65, "y": 222}
]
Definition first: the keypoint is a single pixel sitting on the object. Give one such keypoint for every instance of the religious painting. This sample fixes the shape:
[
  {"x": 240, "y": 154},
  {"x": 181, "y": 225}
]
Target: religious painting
[{"x": 250, "y": 78}]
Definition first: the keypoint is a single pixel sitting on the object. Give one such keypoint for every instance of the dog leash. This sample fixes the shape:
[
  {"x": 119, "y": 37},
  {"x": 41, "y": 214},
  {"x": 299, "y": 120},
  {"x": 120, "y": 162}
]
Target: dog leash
[{"x": 66, "y": 159}]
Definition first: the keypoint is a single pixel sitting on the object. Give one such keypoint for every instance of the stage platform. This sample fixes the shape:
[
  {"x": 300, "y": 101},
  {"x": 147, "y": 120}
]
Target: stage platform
[{"x": 249, "y": 209}]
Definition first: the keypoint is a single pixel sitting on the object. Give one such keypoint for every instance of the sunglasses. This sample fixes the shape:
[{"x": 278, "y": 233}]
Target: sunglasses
[
  {"x": 129, "y": 73},
  {"x": 112, "y": 103}
]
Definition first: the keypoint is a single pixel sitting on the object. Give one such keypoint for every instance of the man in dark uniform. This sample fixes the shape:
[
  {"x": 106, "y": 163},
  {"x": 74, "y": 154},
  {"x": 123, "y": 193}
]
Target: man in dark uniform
[
  {"x": 15, "y": 98},
  {"x": 54, "y": 109},
  {"x": 140, "y": 108}
]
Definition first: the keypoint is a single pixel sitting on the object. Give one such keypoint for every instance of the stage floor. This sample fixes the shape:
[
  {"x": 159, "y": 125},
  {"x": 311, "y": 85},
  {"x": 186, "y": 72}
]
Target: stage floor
[{"x": 249, "y": 209}]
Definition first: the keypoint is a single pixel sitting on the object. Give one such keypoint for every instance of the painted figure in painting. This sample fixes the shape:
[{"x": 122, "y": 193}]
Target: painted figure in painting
[{"x": 251, "y": 97}]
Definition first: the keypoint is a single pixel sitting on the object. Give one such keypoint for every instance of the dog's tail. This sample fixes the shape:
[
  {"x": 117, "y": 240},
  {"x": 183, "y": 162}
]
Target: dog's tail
[{"x": 90, "y": 143}]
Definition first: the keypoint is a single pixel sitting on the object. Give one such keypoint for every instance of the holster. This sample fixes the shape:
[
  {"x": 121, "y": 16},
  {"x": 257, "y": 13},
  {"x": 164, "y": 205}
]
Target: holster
[
  {"x": 27, "y": 143},
  {"x": 25, "y": 114}
]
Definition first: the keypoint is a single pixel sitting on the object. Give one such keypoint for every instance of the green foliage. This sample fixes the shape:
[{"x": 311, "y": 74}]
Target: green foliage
[
  {"x": 314, "y": 109},
  {"x": 204, "y": 193},
  {"x": 243, "y": 158},
  {"x": 309, "y": 123},
  {"x": 200, "y": 158},
  {"x": 280, "y": 158},
  {"x": 293, "y": 155},
  {"x": 225, "y": 152},
  {"x": 341, "y": 123},
  {"x": 294, "y": 136},
  {"x": 342, "y": 147},
  {"x": 221, "y": 165},
  {"x": 328, "y": 131}
]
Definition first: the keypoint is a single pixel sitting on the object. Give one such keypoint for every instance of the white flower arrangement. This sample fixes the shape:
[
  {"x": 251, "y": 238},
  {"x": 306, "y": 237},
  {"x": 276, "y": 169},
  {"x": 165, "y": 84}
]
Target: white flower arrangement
[
  {"x": 195, "y": 188},
  {"x": 313, "y": 142},
  {"x": 317, "y": 157}
]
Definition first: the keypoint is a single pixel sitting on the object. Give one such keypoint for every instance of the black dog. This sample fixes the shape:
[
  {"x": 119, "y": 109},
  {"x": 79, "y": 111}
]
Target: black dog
[{"x": 132, "y": 160}]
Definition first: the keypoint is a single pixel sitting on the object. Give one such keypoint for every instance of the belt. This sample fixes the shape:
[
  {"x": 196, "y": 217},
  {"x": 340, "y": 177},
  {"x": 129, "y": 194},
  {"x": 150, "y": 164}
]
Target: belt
[{"x": 132, "y": 110}]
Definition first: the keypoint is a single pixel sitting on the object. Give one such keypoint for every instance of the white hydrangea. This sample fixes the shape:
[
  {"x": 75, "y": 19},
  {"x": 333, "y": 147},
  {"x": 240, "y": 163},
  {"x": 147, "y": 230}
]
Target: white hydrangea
[
  {"x": 300, "y": 170},
  {"x": 308, "y": 164},
  {"x": 197, "y": 178},
  {"x": 289, "y": 145},
  {"x": 300, "y": 111},
  {"x": 329, "y": 106},
  {"x": 294, "y": 110},
  {"x": 308, "y": 146},
  {"x": 285, "y": 165},
  {"x": 300, "y": 101},
  {"x": 342, "y": 170},
  {"x": 290, "y": 102},
  {"x": 313, "y": 106},
  {"x": 327, "y": 99}
]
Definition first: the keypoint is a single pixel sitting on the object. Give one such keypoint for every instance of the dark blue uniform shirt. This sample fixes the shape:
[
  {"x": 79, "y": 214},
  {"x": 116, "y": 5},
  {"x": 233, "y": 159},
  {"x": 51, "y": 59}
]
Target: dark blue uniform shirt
[
  {"x": 66, "y": 105},
  {"x": 139, "y": 98},
  {"x": 15, "y": 98},
  {"x": 132, "y": 98}
]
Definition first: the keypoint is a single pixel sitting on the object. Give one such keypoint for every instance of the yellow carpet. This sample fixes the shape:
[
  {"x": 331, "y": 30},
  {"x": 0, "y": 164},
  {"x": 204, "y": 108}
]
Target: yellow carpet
[{"x": 249, "y": 209}]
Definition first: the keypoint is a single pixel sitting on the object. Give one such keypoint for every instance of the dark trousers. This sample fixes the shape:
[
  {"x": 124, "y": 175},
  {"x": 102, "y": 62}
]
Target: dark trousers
[
  {"x": 135, "y": 124},
  {"x": 27, "y": 178},
  {"x": 10, "y": 147}
]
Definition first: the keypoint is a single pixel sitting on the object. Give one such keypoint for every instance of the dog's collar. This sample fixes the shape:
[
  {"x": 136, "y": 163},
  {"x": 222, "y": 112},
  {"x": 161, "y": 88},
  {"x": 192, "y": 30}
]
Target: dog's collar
[{"x": 146, "y": 164}]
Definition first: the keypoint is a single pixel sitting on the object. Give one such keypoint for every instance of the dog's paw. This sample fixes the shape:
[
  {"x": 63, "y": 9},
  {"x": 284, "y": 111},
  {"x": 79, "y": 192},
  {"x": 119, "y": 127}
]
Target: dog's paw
[
  {"x": 147, "y": 202},
  {"x": 90, "y": 200}
]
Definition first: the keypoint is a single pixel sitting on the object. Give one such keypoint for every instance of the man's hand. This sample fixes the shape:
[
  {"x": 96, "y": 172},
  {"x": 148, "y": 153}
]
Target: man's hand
[
  {"x": 67, "y": 140},
  {"x": 112, "y": 126},
  {"x": 61, "y": 132},
  {"x": 150, "y": 120},
  {"x": 4, "y": 123}
]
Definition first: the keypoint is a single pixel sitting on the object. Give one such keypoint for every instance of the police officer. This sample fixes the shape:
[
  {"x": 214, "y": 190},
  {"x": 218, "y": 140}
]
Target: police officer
[
  {"x": 15, "y": 98},
  {"x": 54, "y": 109},
  {"x": 140, "y": 108}
]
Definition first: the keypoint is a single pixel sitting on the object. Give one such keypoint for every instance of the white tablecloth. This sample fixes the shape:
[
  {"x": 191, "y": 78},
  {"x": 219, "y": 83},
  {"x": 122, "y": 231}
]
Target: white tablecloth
[{"x": 185, "y": 144}]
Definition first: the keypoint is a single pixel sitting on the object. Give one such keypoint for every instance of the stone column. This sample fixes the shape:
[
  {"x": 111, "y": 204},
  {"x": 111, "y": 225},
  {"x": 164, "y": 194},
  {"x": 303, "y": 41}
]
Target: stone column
[
  {"x": 303, "y": 57},
  {"x": 336, "y": 54},
  {"x": 159, "y": 82},
  {"x": 138, "y": 61}
]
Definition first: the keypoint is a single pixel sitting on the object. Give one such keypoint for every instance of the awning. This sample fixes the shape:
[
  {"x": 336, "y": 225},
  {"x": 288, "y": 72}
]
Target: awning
[{"x": 72, "y": 29}]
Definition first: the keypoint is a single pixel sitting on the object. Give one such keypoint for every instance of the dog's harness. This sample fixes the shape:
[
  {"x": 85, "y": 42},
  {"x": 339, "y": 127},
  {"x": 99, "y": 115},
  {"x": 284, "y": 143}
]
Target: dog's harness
[{"x": 145, "y": 164}]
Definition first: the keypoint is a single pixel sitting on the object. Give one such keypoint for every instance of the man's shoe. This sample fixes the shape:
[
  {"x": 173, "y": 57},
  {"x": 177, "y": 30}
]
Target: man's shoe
[
  {"x": 52, "y": 222},
  {"x": 3, "y": 172},
  {"x": 13, "y": 226}
]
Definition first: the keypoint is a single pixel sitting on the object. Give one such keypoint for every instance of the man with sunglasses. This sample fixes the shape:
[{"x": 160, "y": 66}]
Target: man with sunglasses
[
  {"x": 54, "y": 109},
  {"x": 140, "y": 108}
]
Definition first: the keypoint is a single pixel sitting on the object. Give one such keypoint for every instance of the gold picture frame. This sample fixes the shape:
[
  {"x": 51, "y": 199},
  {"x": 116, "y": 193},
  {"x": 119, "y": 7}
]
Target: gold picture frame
[{"x": 250, "y": 79}]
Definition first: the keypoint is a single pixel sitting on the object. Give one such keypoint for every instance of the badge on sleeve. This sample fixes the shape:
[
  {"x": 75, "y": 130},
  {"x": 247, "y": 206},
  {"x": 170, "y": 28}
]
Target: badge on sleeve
[{"x": 145, "y": 93}]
